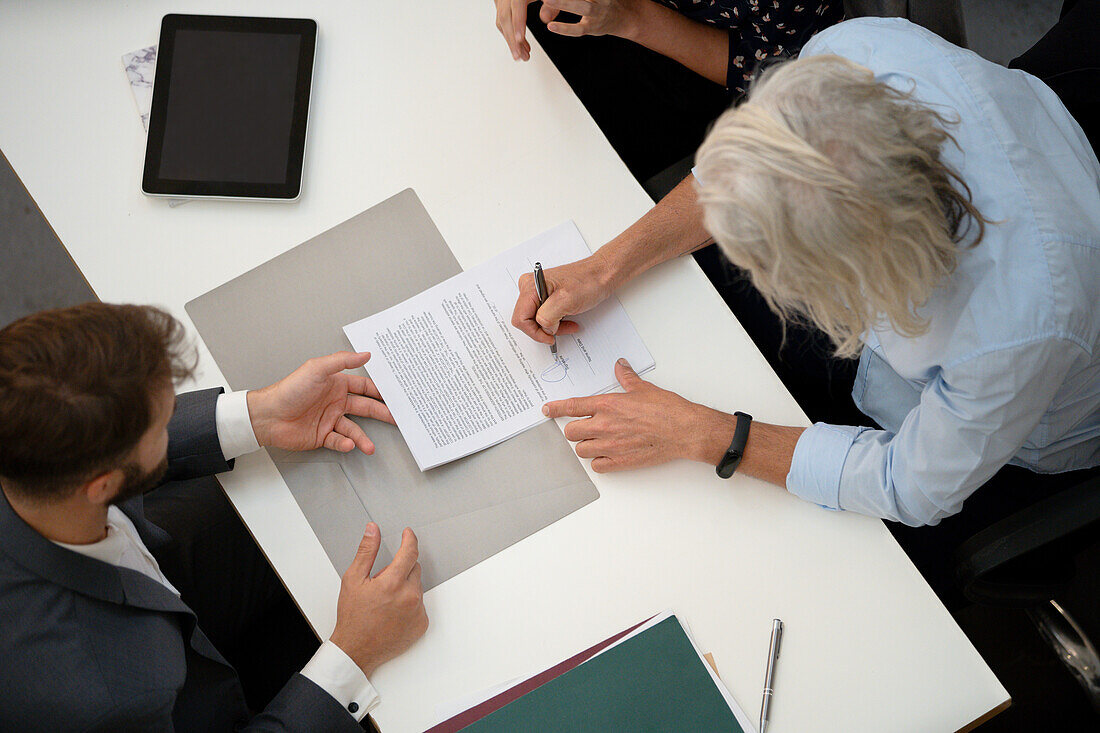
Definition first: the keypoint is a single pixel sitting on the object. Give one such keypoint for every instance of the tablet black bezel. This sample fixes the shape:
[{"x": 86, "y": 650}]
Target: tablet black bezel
[{"x": 152, "y": 184}]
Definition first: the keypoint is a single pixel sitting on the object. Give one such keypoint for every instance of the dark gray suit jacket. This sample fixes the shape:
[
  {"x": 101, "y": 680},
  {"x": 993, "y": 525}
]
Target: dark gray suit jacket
[{"x": 85, "y": 645}]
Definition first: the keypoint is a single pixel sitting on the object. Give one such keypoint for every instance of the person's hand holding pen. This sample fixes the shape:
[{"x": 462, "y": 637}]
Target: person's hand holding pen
[{"x": 571, "y": 289}]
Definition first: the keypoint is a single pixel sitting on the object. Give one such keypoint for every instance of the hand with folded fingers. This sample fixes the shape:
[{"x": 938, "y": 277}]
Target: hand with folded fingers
[
  {"x": 309, "y": 408},
  {"x": 572, "y": 289},
  {"x": 379, "y": 616},
  {"x": 597, "y": 17}
]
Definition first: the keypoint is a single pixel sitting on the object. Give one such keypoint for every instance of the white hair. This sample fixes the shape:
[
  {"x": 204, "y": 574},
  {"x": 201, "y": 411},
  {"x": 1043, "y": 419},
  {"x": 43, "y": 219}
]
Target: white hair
[{"x": 828, "y": 188}]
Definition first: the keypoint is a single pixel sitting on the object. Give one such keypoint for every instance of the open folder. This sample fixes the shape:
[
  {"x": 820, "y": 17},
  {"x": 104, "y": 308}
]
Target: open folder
[
  {"x": 650, "y": 677},
  {"x": 263, "y": 324}
]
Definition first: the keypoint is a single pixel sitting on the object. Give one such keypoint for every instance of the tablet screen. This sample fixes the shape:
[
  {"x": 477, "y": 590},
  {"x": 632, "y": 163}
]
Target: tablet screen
[{"x": 232, "y": 113}]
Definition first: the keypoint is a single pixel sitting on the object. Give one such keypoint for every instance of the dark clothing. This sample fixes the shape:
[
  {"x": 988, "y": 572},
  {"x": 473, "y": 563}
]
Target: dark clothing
[
  {"x": 656, "y": 112},
  {"x": 212, "y": 552},
  {"x": 90, "y": 646},
  {"x": 653, "y": 111},
  {"x": 822, "y": 384},
  {"x": 800, "y": 355},
  {"x": 760, "y": 29},
  {"x": 1067, "y": 58}
]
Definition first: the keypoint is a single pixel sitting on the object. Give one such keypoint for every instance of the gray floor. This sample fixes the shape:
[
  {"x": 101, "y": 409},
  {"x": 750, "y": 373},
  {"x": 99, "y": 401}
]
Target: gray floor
[
  {"x": 35, "y": 270},
  {"x": 36, "y": 273}
]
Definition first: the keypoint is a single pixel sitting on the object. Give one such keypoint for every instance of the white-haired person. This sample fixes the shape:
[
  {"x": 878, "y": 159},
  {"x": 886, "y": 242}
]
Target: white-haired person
[{"x": 931, "y": 213}]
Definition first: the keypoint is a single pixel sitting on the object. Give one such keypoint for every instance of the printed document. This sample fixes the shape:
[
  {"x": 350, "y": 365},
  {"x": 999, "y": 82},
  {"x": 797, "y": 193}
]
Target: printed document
[{"x": 459, "y": 378}]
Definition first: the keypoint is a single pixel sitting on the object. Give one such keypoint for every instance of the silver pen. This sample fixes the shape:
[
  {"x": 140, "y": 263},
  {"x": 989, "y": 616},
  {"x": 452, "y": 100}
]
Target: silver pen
[
  {"x": 769, "y": 675},
  {"x": 540, "y": 290}
]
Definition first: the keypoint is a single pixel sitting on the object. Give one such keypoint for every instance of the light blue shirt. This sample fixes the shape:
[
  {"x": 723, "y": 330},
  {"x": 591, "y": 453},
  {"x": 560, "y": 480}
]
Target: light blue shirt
[{"x": 1009, "y": 371}]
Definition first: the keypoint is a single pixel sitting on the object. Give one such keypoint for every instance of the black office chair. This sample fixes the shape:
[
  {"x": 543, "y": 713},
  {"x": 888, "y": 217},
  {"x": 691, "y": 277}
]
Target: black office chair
[
  {"x": 942, "y": 17},
  {"x": 1027, "y": 559}
]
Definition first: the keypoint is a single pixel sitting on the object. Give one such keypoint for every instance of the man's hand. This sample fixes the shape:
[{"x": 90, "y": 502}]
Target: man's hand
[
  {"x": 512, "y": 24},
  {"x": 380, "y": 616},
  {"x": 573, "y": 289},
  {"x": 309, "y": 408},
  {"x": 643, "y": 427},
  {"x": 598, "y": 17}
]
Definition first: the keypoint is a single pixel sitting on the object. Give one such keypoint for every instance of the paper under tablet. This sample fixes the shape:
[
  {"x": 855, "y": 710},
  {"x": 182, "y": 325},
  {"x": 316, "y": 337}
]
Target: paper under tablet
[{"x": 263, "y": 324}]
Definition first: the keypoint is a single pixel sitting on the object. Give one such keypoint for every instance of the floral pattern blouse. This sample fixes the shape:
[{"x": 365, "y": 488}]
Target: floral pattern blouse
[{"x": 760, "y": 29}]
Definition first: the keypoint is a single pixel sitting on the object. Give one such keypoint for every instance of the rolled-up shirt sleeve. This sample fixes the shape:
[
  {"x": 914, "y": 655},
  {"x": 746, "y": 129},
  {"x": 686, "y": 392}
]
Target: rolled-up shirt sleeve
[
  {"x": 818, "y": 463},
  {"x": 973, "y": 417}
]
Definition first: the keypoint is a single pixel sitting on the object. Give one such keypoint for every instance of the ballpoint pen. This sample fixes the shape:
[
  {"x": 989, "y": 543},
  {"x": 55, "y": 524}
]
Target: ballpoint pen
[
  {"x": 540, "y": 289},
  {"x": 769, "y": 674}
]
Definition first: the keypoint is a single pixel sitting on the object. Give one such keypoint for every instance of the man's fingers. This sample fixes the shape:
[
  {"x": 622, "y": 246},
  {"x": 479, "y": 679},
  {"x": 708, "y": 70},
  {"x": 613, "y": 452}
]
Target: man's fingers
[
  {"x": 527, "y": 304},
  {"x": 366, "y": 554},
  {"x": 604, "y": 464},
  {"x": 339, "y": 443},
  {"x": 583, "y": 429},
  {"x": 341, "y": 360},
  {"x": 350, "y": 430},
  {"x": 414, "y": 574},
  {"x": 568, "y": 327},
  {"x": 595, "y": 448},
  {"x": 572, "y": 407},
  {"x": 548, "y": 13},
  {"x": 567, "y": 29},
  {"x": 368, "y": 407},
  {"x": 577, "y": 7},
  {"x": 519, "y": 20},
  {"x": 626, "y": 375},
  {"x": 406, "y": 556},
  {"x": 359, "y": 384},
  {"x": 551, "y": 312}
]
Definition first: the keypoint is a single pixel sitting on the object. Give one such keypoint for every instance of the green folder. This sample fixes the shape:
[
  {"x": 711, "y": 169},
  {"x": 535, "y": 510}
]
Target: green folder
[{"x": 654, "y": 681}]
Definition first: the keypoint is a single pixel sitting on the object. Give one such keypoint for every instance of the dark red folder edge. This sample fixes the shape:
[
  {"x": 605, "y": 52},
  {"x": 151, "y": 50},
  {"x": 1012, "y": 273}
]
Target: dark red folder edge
[{"x": 477, "y": 712}]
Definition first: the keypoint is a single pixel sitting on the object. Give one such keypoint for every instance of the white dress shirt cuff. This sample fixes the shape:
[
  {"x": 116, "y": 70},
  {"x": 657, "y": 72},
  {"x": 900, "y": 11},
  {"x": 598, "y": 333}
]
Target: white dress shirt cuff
[
  {"x": 235, "y": 432},
  {"x": 818, "y": 462},
  {"x": 333, "y": 671}
]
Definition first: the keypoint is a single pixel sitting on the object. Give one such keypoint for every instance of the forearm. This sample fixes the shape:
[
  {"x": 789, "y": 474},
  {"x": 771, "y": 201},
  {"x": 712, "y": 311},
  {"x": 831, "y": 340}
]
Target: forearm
[
  {"x": 701, "y": 48},
  {"x": 768, "y": 452},
  {"x": 672, "y": 228}
]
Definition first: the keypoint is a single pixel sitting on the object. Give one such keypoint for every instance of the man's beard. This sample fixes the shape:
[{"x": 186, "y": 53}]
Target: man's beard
[{"x": 138, "y": 482}]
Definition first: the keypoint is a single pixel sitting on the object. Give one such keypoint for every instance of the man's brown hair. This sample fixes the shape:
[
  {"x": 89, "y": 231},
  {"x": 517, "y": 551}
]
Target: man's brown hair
[{"x": 77, "y": 391}]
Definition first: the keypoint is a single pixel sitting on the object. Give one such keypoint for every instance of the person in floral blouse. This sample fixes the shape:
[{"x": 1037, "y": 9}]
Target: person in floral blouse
[{"x": 655, "y": 73}]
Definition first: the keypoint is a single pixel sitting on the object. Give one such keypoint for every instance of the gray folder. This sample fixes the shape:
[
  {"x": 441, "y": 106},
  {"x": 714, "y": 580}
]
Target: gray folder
[{"x": 262, "y": 325}]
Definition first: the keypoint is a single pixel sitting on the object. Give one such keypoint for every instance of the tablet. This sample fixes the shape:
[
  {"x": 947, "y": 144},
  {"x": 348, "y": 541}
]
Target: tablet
[{"x": 230, "y": 102}]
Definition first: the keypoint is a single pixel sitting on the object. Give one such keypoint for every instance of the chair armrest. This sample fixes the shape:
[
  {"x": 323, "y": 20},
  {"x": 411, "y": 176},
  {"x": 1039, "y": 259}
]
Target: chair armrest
[{"x": 1009, "y": 563}]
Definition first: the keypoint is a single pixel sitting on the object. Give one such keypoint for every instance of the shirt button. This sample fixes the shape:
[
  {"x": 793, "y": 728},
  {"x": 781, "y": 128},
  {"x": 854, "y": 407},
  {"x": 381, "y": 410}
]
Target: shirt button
[{"x": 353, "y": 707}]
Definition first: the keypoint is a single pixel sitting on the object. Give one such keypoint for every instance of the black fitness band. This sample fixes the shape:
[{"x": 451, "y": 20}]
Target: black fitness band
[{"x": 732, "y": 459}]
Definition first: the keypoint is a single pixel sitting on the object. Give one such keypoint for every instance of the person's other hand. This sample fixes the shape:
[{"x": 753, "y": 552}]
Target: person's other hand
[
  {"x": 308, "y": 408},
  {"x": 643, "y": 427},
  {"x": 598, "y": 17},
  {"x": 512, "y": 24},
  {"x": 380, "y": 616},
  {"x": 573, "y": 288}
]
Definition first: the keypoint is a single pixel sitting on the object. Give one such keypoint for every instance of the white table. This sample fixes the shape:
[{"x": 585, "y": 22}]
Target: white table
[{"x": 425, "y": 94}]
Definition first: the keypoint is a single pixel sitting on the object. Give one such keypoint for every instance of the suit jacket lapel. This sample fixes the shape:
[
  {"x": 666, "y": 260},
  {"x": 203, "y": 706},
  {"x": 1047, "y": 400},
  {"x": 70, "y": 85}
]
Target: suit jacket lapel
[
  {"x": 153, "y": 536},
  {"x": 96, "y": 579}
]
